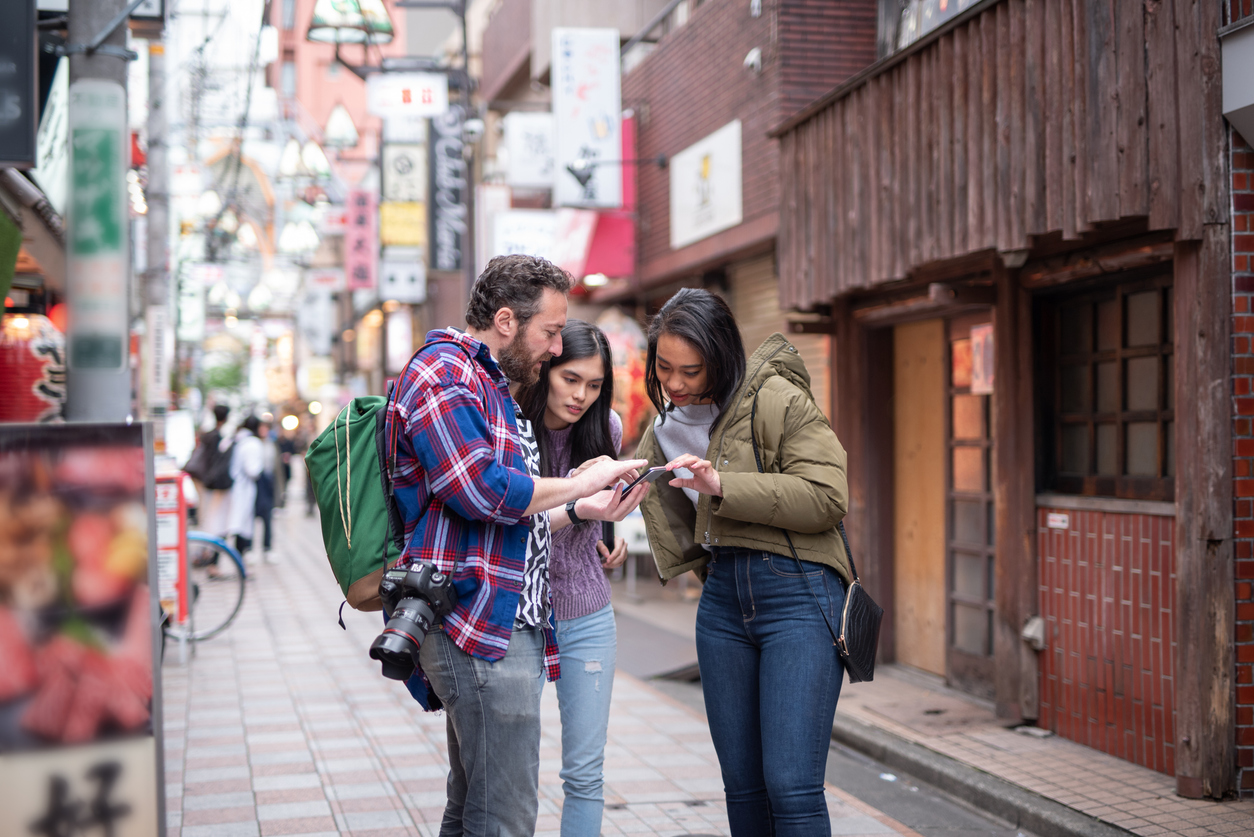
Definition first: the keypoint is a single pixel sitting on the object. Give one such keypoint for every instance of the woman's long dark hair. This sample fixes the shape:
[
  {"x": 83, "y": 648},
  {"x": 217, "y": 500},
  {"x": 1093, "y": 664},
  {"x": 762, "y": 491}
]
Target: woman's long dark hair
[
  {"x": 705, "y": 321},
  {"x": 591, "y": 436}
]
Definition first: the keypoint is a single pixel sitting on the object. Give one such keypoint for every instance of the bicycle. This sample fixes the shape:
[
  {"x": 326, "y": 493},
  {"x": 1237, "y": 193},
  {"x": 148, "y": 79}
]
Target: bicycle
[{"x": 216, "y": 588}]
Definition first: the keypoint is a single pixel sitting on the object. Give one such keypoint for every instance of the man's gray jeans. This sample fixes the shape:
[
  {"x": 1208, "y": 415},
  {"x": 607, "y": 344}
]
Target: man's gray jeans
[{"x": 493, "y": 718}]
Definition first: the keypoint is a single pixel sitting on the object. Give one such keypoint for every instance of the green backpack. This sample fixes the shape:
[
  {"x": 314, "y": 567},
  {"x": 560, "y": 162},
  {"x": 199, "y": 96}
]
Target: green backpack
[
  {"x": 363, "y": 529},
  {"x": 346, "y": 471}
]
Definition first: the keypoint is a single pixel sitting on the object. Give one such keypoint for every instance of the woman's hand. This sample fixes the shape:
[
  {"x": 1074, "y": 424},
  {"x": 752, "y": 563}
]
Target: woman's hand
[
  {"x": 704, "y": 479},
  {"x": 610, "y": 560}
]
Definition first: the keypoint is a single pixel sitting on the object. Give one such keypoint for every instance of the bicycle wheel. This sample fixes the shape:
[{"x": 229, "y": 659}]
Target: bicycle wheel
[{"x": 216, "y": 591}]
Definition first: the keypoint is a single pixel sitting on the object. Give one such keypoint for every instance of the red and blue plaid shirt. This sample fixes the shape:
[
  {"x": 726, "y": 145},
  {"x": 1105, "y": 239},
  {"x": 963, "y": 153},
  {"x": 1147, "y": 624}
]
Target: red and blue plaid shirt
[{"x": 460, "y": 443}]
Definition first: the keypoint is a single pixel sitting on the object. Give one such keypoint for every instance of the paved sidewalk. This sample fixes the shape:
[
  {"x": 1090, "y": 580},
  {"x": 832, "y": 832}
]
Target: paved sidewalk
[
  {"x": 901, "y": 708},
  {"x": 282, "y": 725}
]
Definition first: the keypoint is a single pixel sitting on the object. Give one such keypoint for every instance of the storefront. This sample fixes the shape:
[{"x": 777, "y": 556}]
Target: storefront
[{"x": 1019, "y": 224}]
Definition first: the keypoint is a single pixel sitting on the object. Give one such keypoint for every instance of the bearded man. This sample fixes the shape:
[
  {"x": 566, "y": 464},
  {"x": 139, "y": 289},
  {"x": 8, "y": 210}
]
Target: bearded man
[{"x": 467, "y": 480}]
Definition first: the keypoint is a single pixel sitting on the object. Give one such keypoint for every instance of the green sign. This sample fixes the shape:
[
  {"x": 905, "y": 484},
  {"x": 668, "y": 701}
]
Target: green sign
[{"x": 97, "y": 230}]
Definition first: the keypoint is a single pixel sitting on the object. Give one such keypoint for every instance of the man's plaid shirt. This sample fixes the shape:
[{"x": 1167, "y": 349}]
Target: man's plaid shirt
[{"x": 460, "y": 441}]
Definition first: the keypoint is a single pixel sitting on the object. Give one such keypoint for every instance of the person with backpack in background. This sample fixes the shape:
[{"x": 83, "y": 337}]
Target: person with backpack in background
[
  {"x": 467, "y": 480},
  {"x": 569, "y": 406},
  {"x": 205, "y": 467},
  {"x": 247, "y": 460}
]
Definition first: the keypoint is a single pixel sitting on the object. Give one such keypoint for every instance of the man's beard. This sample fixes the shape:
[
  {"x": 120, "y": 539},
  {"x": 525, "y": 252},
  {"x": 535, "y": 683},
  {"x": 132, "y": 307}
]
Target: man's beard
[{"x": 517, "y": 364}]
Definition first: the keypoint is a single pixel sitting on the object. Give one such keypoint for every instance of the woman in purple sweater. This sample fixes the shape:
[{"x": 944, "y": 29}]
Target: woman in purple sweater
[{"x": 570, "y": 408}]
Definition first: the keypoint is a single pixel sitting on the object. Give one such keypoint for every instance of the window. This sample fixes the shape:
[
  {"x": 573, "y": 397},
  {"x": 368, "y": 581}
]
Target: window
[
  {"x": 1109, "y": 397},
  {"x": 287, "y": 80},
  {"x": 289, "y": 14}
]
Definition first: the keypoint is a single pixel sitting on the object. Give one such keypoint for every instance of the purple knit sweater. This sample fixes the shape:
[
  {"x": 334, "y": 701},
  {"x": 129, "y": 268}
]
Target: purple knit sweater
[{"x": 579, "y": 584}]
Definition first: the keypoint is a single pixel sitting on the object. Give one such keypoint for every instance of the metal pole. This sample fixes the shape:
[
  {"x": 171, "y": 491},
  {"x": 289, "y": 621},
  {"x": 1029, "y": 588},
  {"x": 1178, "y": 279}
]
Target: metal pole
[
  {"x": 468, "y": 240},
  {"x": 98, "y": 234},
  {"x": 157, "y": 280}
]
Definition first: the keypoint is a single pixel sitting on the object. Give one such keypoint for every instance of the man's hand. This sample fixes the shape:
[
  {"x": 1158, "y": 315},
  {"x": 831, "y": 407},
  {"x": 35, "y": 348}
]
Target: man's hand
[
  {"x": 611, "y": 504},
  {"x": 704, "y": 479},
  {"x": 610, "y": 560},
  {"x": 588, "y": 464},
  {"x": 606, "y": 472}
]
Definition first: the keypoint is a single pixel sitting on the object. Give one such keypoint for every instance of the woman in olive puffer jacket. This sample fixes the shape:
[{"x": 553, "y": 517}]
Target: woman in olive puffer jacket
[{"x": 770, "y": 672}]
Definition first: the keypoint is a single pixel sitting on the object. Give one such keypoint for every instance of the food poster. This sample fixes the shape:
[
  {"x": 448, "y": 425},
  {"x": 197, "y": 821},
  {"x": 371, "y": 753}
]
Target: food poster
[{"x": 79, "y": 702}]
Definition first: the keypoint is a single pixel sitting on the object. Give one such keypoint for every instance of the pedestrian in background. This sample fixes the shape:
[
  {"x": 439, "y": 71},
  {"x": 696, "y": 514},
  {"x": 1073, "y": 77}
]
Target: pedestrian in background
[
  {"x": 247, "y": 461},
  {"x": 266, "y": 486},
  {"x": 570, "y": 408},
  {"x": 769, "y": 667},
  {"x": 211, "y": 514}
]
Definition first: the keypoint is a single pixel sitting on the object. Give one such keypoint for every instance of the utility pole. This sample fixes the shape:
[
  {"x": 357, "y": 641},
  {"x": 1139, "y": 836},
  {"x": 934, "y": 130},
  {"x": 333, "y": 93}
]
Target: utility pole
[
  {"x": 157, "y": 280},
  {"x": 97, "y": 240}
]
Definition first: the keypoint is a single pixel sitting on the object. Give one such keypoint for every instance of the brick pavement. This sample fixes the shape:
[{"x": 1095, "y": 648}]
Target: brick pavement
[{"x": 282, "y": 725}]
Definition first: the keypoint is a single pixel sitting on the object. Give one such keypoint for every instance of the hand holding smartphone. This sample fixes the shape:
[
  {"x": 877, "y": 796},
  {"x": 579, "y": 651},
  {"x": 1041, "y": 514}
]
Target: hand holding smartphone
[{"x": 648, "y": 476}]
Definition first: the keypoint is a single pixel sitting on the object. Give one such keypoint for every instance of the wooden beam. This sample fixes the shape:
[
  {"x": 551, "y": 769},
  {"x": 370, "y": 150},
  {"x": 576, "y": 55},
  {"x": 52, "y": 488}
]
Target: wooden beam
[
  {"x": 1205, "y": 604},
  {"x": 1098, "y": 261}
]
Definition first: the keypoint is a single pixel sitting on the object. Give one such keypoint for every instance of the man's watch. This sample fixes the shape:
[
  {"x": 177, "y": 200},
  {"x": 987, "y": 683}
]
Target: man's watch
[{"x": 575, "y": 520}]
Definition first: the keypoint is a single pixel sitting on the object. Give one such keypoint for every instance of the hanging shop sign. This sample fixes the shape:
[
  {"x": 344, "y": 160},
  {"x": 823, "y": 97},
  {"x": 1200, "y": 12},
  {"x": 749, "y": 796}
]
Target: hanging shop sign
[
  {"x": 529, "y": 149},
  {"x": 407, "y": 94},
  {"x": 97, "y": 229},
  {"x": 403, "y": 275},
  {"x": 982, "y": 362},
  {"x": 403, "y": 224},
  {"x": 193, "y": 283},
  {"x": 447, "y": 190},
  {"x": 52, "y": 147},
  {"x": 527, "y": 232},
  {"x": 361, "y": 241},
  {"x": 706, "y": 186},
  {"x": 404, "y": 172},
  {"x": 587, "y": 117},
  {"x": 18, "y": 102}
]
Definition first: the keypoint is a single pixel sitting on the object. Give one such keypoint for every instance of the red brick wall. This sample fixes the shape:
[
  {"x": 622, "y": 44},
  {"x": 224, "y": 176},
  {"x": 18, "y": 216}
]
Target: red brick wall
[
  {"x": 1107, "y": 589},
  {"x": 1243, "y": 448},
  {"x": 695, "y": 83}
]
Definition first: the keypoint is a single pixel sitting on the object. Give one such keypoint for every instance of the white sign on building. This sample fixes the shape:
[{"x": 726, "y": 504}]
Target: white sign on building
[
  {"x": 404, "y": 172},
  {"x": 587, "y": 118},
  {"x": 706, "y": 187},
  {"x": 529, "y": 146},
  {"x": 526, "y": 232},
  {"x": 407, "y": 94},
  {"x": 403, "y": 275}
]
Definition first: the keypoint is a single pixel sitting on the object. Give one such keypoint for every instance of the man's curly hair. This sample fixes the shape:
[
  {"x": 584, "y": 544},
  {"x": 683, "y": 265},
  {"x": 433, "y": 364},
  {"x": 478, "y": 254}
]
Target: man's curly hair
[{"x": 516, "y": 283}]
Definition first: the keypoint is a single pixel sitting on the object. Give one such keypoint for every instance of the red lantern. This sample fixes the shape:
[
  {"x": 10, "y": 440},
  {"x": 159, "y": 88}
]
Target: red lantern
[{"x": 32, "y": 368}]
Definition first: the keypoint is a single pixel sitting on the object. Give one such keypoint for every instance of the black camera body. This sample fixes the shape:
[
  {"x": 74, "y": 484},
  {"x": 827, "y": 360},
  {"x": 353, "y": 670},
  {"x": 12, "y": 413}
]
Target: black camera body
[{"x": 415, "y": 598}]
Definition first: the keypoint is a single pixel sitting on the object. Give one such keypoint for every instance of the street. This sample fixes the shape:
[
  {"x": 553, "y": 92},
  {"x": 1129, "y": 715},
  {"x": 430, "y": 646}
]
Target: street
[{"x": 282, "y": 725}]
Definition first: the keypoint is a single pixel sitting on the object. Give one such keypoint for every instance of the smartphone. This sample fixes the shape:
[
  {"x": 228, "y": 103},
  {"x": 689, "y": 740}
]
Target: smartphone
[
  {"x": 648, "y": 476},
  {"x": 607, "y": 534}
]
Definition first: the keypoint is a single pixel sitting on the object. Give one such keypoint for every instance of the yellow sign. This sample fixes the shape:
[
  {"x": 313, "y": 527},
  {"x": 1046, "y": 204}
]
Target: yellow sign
[{"x": 403, "y": 224}]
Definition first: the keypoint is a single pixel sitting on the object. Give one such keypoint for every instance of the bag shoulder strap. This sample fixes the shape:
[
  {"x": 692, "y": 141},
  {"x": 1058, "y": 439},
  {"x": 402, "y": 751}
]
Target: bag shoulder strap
[
  {"x": 390, "y": 464},
  {"x": 757, "y": 458}
]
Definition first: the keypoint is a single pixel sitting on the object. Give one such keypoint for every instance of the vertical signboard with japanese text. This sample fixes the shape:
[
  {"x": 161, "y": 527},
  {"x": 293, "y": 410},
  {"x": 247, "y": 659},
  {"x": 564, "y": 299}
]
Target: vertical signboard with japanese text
[
  {"x": 97, "y": 230},
  {"x": 361, "y": 245},
  {"x": 448, "y": 215},
  {"x": 587, "y": 117},
  {"x": 529, "y": 143},
  {"x": 80, "y": 722}
]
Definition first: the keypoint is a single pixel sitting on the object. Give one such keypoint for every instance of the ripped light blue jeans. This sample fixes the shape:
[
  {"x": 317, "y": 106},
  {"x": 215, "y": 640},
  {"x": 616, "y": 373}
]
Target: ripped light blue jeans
[{"x": 588, "y": 645}]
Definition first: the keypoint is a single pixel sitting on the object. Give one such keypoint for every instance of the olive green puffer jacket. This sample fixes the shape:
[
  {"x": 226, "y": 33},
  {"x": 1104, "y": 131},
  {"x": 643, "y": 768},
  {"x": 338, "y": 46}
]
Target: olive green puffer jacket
[{"x": 803, "y": 489}]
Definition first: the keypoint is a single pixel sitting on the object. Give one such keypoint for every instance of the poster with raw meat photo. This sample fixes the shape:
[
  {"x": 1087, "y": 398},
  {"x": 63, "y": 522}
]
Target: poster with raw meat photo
[{"x": 79, "y": 702}]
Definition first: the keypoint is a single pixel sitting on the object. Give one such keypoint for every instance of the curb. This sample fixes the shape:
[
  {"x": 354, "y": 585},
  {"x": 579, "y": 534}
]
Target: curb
[{"x": 1022, "y": 808}]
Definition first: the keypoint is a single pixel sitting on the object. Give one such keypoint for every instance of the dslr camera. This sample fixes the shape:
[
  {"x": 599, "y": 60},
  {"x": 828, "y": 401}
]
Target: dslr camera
[{"x": 415, "y": 598}]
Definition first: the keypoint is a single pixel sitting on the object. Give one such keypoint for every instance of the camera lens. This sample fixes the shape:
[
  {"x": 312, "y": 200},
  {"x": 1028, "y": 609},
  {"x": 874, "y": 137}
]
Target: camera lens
[{"x": 398, "y": 646}]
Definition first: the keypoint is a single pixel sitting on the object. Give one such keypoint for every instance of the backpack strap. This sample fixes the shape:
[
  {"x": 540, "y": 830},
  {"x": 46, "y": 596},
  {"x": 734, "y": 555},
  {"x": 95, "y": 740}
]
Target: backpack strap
[{"x": 390, "y": 465}]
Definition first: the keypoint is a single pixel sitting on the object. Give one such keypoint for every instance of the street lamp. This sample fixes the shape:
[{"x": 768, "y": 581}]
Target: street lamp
[{"x": 362, "y": 22}]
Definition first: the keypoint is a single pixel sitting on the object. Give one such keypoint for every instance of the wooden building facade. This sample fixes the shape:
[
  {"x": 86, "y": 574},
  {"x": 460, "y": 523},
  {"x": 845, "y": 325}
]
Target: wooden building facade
[{"x": 1018, "y": 229}]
